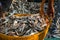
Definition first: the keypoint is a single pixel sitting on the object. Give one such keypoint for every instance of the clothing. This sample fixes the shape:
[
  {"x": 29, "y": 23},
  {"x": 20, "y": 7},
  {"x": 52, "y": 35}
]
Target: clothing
[{"x": 5, "y": 4}]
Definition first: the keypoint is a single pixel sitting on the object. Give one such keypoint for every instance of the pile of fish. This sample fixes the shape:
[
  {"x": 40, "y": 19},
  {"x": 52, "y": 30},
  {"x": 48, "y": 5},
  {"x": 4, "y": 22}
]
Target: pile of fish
[
  {"x": 22, "y": 26},
  {"x": 25, "y": 7}
]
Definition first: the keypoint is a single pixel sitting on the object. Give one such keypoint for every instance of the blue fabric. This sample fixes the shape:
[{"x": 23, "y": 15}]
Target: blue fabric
[
  {"x": 5, "y": 4},
  {"x": 37, "y": 0},
  {"x": 34, "y": 0},
  {"x": 52, "y": 38}
]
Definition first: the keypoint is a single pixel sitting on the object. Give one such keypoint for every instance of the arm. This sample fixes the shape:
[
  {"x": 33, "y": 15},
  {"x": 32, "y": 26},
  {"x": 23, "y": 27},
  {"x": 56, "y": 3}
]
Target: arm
[
  {"x": 50, "y": 11},
  {"x": 42, "y": 8}
]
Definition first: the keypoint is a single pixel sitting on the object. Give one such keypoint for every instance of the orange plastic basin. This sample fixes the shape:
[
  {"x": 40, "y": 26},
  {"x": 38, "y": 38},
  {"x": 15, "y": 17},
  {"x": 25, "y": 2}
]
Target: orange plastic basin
[{"x": 37, "y": 36}]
